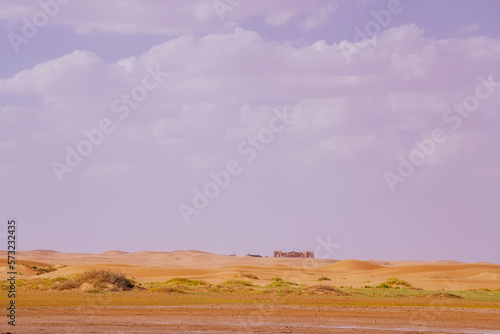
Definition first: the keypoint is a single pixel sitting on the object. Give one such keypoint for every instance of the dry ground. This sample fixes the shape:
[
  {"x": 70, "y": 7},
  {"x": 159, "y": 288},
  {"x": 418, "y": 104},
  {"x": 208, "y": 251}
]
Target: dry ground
[{"x": 253, "y": 319}]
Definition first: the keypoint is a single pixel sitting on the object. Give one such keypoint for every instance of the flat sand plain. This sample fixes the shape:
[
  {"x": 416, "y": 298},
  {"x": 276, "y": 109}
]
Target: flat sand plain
[{"x": 245, "y": 319}]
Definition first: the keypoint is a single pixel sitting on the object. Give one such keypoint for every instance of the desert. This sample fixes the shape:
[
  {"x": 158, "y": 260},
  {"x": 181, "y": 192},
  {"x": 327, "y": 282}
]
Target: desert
[
  {"x": 195, "y": 291},
  {"x": 250, "y": 166}
]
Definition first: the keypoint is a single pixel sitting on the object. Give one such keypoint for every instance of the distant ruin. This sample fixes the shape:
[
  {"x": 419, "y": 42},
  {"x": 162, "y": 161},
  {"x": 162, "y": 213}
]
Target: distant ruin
[{"x": 294, "y": 254}]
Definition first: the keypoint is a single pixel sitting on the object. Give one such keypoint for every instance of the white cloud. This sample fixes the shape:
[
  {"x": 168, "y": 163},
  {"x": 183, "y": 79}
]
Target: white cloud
[
  {"x": 279, "y": 18},
  {"x": 365, "y": 147},
  {"x": 173, "y": 18},
  {"x": 318, "y": 17},
  {"x": 223, "y": 87},
  {"x": 468, "y": 29},
  {"x": 353, "y": 120}
]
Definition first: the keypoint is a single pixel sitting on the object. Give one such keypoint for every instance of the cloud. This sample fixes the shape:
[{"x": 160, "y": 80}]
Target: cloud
[
  {"x": 241, "y": 64},
  {"x": 223, "y": 87},
  {"x": 279, "y": 18},
  {"x": 356, "y": 148},
  {"x": 318, "y": 17},
  {"x": 14, "y": 10},
  {"x": 175, "y": 18},
  {"x": 468, "y": 29},
  {"x": 75, "y": 73},
  {"x": 222, "y": 82}
]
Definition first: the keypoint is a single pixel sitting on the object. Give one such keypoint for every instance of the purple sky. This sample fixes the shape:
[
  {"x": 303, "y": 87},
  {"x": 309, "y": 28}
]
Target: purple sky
[{"x": 172, "y": 91}]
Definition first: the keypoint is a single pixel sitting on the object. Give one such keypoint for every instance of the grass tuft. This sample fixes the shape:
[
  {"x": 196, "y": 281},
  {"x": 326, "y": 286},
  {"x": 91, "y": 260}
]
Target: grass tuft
[
  {"x": 326, "y": 289},
  {"x": 178, "y": 285},
  {"x": 184, "y": 281},
  {"x": 41, "y": 270},
  {"x": 395, "y": 283},
  {"x": 98, "y": 280},
  {"x": 445, "y": 295},
  {"x": 166, "y": 289},
  {"x": 236, "y": 282},
  {"x": 251, "y": 276},
  {"x": 278, "y": 282}
]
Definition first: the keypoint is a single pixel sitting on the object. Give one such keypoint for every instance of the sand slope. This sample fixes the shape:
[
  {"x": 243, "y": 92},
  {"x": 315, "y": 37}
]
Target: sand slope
[
  {"x": 189, "y": 258},
  {"x": 351, "y": 265}
]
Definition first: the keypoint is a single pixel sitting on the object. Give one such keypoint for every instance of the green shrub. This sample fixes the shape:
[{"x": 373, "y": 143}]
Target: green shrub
[
  {"x": 184, "y": 281},
  {"x": 397, "y": 281},
  {"x": 98, "y": 279},
  {"x": 278, "y": 282},
  {"x": 251, "y": 276},
  {"x": 236, "y": 282},
  {"x": 324, "y": 278},
  {"x": 166, "y": 289},
  {"x": 394, "y": 283},
  {"x": 41, "y": 270},
  {"x": 286, "y": 291},
  {"x": 101, "y": 278},
  {"x": 445, "y": 295},
  {"x": 326, "y": 289}
]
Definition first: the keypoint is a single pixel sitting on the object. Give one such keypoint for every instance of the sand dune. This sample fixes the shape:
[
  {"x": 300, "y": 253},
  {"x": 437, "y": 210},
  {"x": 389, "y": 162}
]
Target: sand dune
[
  {"x": 349, "y": 265},
  {"x": 150, "y": 266},
  {"x": 3, "y": 262},
  {"x": 190, "y": 258},
  {"x": 455, "y": 270},
  {"x": 446, "y": 262},
  {"x": 115, "y": 253},
  {"x": 486, "y": 276},
  {"x": 43, "y": 252}
]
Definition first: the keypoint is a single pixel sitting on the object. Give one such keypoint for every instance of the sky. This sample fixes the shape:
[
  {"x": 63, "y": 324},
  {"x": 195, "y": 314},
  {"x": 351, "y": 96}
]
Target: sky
[{"x": 355, "y": 129}]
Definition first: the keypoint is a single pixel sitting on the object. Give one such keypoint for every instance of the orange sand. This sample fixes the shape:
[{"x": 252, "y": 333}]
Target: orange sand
[{"x": 161, "y": 266}]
